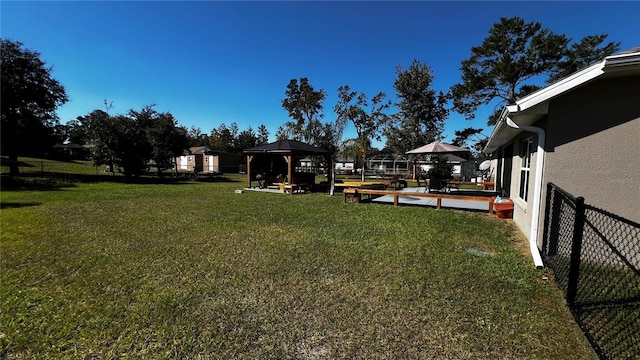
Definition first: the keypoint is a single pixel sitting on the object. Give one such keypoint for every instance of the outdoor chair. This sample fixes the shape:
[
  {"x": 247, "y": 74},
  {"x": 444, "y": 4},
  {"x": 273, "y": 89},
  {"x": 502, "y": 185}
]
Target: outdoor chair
[{"x": 434, "y": 184}]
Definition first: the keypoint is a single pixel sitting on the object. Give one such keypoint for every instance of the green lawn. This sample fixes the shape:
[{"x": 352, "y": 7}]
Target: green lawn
[{"x": 193, "y": 270}]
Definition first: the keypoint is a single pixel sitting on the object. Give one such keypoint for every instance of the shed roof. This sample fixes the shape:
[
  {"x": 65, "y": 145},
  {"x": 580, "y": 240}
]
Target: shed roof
[{"x": 200, "y": 150}]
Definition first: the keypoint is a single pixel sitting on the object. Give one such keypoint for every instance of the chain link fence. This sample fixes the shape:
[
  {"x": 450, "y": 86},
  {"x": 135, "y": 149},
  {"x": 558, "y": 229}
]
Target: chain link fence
[{"x": 595, "y": 257}]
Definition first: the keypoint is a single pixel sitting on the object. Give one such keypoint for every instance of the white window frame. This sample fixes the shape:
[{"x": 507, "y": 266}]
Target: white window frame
[{"x": 525, "y": 167}]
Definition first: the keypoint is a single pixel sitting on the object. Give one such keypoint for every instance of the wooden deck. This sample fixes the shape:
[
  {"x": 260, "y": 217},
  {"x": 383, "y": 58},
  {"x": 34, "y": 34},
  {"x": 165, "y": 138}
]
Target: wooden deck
[{"x": 354, "y": 195}]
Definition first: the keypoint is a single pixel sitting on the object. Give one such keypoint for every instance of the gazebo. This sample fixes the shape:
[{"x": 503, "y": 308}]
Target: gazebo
[{"x": 280, "y": 156}]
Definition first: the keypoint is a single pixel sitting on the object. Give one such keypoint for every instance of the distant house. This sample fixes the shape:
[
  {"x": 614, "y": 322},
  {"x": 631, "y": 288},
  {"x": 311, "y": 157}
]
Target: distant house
[
  {"x": 455, "y": 161},
  {"x": 581, "y": 133},
  {"x": 204, "y": 159},
  {"x": 344, "y": 164},
  {"x": 73, "y": 151},
  {"x": 388, "y": 163}
]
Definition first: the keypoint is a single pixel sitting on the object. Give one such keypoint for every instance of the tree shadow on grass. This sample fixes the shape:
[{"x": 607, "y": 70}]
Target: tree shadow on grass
[
  {"x": 13, "y": 205},
  {"x": 215, "y": 178},
  {"x": 31, "y": 182},
  {"x": 4, "y": 161},
  {"x": 56, "y": 181}
]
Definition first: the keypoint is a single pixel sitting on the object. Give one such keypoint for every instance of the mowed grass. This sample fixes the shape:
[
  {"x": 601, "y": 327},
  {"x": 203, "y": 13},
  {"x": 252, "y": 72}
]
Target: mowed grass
[{"x": 193, "y": 270}]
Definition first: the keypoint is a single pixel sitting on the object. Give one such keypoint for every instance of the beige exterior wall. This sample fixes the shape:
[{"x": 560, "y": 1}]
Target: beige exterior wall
[
  {"x": 593, "y": 145},
  {"x": 592, "y": 149}
]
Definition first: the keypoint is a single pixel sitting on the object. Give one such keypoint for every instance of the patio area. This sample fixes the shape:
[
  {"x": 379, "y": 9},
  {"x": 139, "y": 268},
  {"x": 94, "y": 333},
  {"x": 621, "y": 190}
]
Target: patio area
[{"x": 445, "y": 202}]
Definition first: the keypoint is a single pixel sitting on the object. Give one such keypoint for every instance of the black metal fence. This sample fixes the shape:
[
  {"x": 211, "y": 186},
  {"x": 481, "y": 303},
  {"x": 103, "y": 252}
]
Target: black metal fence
[{"x": 595, "y": 257}]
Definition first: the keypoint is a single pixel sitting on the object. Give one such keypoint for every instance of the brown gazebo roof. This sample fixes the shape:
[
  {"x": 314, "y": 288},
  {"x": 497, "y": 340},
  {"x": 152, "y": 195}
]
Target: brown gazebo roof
[{"x": 287, "y": 147}]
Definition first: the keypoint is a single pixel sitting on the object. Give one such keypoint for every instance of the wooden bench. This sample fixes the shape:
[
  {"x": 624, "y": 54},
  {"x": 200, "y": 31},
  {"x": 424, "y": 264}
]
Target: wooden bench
[
  {"x": 355, "y": 195},
  {"x": 486, "y": 185},
  {"x": 395, "y": 184},
  {"x": 352, "y": 194}
]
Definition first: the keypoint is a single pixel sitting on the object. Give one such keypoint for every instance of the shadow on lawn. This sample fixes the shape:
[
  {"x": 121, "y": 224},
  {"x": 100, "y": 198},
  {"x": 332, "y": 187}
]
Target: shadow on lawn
[
  {"x": 12, "y": 205},
  {"x": 48, "y": 181}
]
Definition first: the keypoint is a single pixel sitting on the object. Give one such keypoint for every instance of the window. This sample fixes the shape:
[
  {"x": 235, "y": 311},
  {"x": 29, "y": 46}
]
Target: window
[{"x": 525, "y": 167}]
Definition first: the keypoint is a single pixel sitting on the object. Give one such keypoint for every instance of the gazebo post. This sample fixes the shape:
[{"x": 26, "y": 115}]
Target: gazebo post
[
  {"x": 249, "y": 159},
  {"x": 329, "y": 159},
  {"x": 289, "y": 160}
]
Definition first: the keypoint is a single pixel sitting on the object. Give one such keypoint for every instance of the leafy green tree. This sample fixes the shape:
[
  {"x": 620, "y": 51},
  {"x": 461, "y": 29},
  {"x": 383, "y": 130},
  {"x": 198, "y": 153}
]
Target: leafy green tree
[
  {"x": 263, "y": 135},
  {"x": 99, "y": 132},
  {"x": 224, "y": 138},
  {"x": 76, "y": 131},
  {"x": 282, "y": 133},
  {"x": 30, "y": 97},
  {"x": 478, "y": 139},
  {"x": 350, "y": 149},
  {"x": 462, "y": 136},
  {"x": 513, "y": 53},
  {"x": 246, "y": 139},
  {"x": 304, "y": 105},
  {"x": 120, "y": 141},
  {"x": 422, "y": 110},
  {"x": 167, "y": 140},
  {"x": 131, "y": 141},
  {"x": 196, "y": 137},
  {"x": 582, "y": 54},
  {"x": 353, "y": 107}
]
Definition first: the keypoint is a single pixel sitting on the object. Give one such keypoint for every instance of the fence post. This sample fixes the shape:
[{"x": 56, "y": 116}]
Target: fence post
[
  {"x": 554, "y": 222},
  {"x": 547, "y": 221},
  {"x": 576, "y": 248}
]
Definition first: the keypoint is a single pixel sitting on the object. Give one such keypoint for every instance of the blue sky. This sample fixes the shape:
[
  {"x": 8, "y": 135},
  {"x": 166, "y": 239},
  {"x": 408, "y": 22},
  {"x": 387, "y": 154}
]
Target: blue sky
[{"x": 213, "y": 62}]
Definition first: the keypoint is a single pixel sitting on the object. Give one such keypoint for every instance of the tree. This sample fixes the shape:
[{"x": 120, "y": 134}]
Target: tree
[
  {"x": 246, "y": 139},
  {"x": 282, "y": 133},
  {"x": 263, "y": 135},
  {"x": 304, "y": 105},
  {"x": 480, "y": 141},
  {"x": 513, "y": 53},
  {"x": 422, "y": 110},
  {"x": 580, "y": 55},
  {"x": 350, "y": 149},
  {"x": 120, "y": 141},
  {"x": 196, "y": 137},
  {"x": 462, "y": 136},
  {"x": 30, "y": 97},
  {"x": 224, "y": 138},
  {"x": 167, "y": 140},
  {"x": 130, "y": 141},
  {"x": 352, "y": 107},
  {"x": 76, "y": 131}
]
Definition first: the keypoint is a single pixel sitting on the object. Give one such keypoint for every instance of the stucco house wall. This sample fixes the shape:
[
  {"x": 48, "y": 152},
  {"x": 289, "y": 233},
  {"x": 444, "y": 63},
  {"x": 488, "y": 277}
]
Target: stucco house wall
[
  {"x": 592, "y": 149},
  {"x": 593, "y": 145},
  {"x": 590, "y": 122}
]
